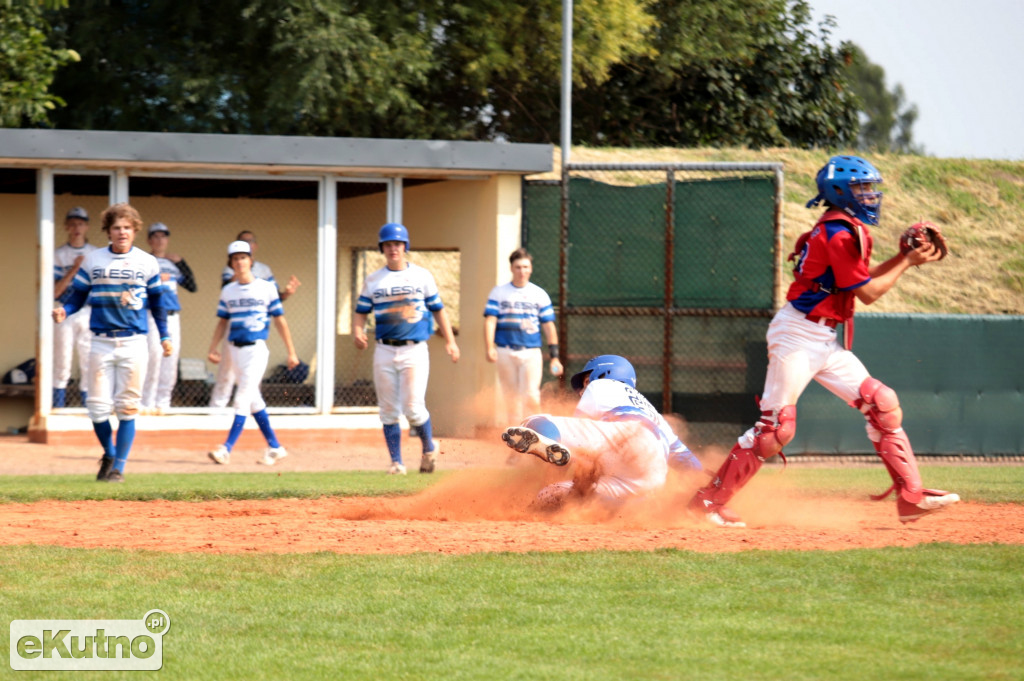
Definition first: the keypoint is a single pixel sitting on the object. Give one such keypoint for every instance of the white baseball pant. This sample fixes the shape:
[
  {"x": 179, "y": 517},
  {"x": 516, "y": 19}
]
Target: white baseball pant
[
  {"x": 519, "y": 374},
  {"x": 250, "y": 362},
  {"x": 629, "y": 458},
  {"x": 71, "y": 337},
  {"x": 800, "y": 351},
  {"x": 116, "y": 368},
  {"x": 161, "y": 372},
  {"x": 400, "y": 376}
]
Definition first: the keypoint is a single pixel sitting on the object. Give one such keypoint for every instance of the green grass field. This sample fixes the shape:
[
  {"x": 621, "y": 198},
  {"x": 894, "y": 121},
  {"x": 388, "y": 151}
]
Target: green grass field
[{"x": 929, "y": 612}]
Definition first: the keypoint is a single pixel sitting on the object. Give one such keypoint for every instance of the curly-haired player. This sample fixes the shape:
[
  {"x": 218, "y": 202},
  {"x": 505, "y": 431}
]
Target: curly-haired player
[
  {"x": 833, "y": 269},
  {"x": 119, "y": 282}
]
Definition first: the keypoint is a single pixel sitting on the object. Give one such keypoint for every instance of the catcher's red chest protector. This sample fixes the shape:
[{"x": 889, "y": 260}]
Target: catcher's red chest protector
[{"x": 832, "y": 260}]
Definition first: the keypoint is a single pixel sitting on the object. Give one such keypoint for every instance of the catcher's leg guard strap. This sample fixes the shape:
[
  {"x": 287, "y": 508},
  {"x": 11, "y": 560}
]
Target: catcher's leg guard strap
[
  {"x": 774, "y": 431},
  {"x": 882, "y": 410}
]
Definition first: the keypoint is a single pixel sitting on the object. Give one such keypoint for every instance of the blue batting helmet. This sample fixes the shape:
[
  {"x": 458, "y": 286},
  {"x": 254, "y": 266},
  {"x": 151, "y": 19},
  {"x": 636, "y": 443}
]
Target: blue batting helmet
[
  {"x": 393, "y": 232},
  {"x": 606, "y": 366},
  {"x": 835, "y": 182}
]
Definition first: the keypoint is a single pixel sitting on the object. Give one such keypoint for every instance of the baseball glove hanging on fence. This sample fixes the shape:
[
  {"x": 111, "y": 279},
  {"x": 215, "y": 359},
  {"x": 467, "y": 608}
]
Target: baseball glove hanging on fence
[{"x": 920, "y": 233}]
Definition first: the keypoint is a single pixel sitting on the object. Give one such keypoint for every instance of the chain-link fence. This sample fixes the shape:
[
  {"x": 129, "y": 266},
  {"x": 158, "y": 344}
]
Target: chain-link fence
[
  {"x": 672, "y": 266},
  {"x": 203, "y": 215}
]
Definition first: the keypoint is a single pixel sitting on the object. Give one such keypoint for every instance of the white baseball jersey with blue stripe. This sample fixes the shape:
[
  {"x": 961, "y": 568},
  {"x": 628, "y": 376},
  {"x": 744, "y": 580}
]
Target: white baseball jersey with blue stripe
[
  {"x": 401, "y": 302},
  {"x": 118, "y": 286},
  {"x": 608, "y": 400},
  {"x": 64, "y": 259},
  {"x": 249, "y": 307},
  {"x": 520, "y": 313}
]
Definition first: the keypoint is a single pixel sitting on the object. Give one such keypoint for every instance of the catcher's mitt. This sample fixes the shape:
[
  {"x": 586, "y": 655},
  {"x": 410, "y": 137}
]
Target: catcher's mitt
[{"x": 920, "y": 233}]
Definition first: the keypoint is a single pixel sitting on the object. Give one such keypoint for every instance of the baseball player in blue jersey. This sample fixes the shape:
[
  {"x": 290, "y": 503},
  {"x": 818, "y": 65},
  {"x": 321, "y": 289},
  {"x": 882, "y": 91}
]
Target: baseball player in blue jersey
[
  {"x": 119, "y": 283},
  {"x": 402, "y": 296},
  {"x": 73, "y": 336},
  {"x": 626, "y": 446},
  {"x": 162, "y": 372},
  {"x": 245, "y": 309},
  {"x": 515, "y": 315},
  {"x": 226, "y": 378}
]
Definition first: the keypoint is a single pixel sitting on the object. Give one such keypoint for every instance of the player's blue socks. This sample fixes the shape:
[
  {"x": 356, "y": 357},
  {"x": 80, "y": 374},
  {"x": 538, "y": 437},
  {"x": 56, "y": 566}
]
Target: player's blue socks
[
  {"x": 393, "y": 438},
  {"x": 85, "y": 396},
  {"x": 105, "y": 434},
  {"x": 60, "y": 396},
  {"x": 235, "y": 432},
  {"x": 263, "y": 421},
  {"x": 426, "y": 432},
  {"x": 125, "y": 438}
]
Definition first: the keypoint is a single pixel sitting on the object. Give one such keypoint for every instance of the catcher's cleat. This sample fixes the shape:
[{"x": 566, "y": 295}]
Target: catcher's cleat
[
  {"x": 933, "y": 500},
  {"x": 220, "y": 455},
  {"x": 114, "y": 476},
  {"x": 528, "y": 441},
  {"x": 106, "y": 463},
  {"x": 716, "y": 514}
]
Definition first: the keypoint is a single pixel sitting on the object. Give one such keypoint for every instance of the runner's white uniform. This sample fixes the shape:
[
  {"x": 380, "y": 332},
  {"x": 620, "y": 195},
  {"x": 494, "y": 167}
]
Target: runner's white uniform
[{"x": 605, "y": 399}]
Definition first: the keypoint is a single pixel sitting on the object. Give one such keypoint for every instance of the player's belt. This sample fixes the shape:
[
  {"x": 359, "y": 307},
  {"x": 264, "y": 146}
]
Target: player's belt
[
  {"x": 513, "y": 347},
  {"x": 824, "y": 321},
  {"x": 116, "y": 333},
  {"x": 243, "y": 344},
  {"x": 171, "y": 312},
  {"x": 392, "y": 341}
]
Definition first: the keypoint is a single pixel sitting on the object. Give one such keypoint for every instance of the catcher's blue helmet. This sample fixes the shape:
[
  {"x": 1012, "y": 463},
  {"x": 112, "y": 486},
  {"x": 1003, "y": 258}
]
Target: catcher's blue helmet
[
  {"x": 393, "y": 232},
  {"x": 835, "y": 186},
  {"x": 606, "y": 366}
]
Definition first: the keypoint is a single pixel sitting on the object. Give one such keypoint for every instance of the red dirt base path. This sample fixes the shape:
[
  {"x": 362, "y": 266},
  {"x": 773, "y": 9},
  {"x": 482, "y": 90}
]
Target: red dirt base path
[{"x": 482, "y": 507}]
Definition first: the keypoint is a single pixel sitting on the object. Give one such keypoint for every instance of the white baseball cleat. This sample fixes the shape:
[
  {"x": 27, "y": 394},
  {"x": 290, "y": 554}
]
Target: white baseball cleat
[
  {"x": 273, "y": 455},
  {"x": 931, "y": 503},
  {"x": 728, "y": 519},
  {"x": 716, "y": 514},
  {"x": 528, "y": 441},
  {"x": 220, "y": 455},
  {"x": 396, "y": 469}
]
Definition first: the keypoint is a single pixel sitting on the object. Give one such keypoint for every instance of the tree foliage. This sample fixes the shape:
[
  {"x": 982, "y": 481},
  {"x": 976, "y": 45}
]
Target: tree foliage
[
  {"x": 887, "y": 119},
  {"x": 27, "y": 63},
  {"x": 646, "y": 72}
]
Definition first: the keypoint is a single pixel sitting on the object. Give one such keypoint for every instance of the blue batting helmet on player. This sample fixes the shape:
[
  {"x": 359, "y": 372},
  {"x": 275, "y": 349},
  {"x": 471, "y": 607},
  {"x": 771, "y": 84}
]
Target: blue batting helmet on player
[
  {"x": 606, "y": 366},
  {"x": 835, "y": 186},
  {"x": 393, "y": 232}
]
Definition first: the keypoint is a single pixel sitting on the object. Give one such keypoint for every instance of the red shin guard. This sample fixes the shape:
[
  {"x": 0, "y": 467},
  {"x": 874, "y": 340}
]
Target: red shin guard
[{"x": 739, "y": 467}]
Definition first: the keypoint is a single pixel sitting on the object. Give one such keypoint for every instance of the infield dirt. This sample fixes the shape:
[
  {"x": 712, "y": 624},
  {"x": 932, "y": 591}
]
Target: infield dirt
[{"x": 482, "y": 506}]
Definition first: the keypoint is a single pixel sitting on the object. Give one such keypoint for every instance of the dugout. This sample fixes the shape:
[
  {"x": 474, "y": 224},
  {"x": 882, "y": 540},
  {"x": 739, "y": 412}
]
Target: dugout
[{"x": 315, "y": 205}]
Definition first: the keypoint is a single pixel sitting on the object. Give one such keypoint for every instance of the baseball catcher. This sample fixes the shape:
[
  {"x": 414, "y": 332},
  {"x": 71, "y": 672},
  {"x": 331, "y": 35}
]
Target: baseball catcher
[{"x": 833, "y": 270}]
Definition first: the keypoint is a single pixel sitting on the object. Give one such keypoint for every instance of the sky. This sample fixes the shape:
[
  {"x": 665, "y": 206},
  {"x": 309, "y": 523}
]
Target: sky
[{"x": 961, "y": 62}]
